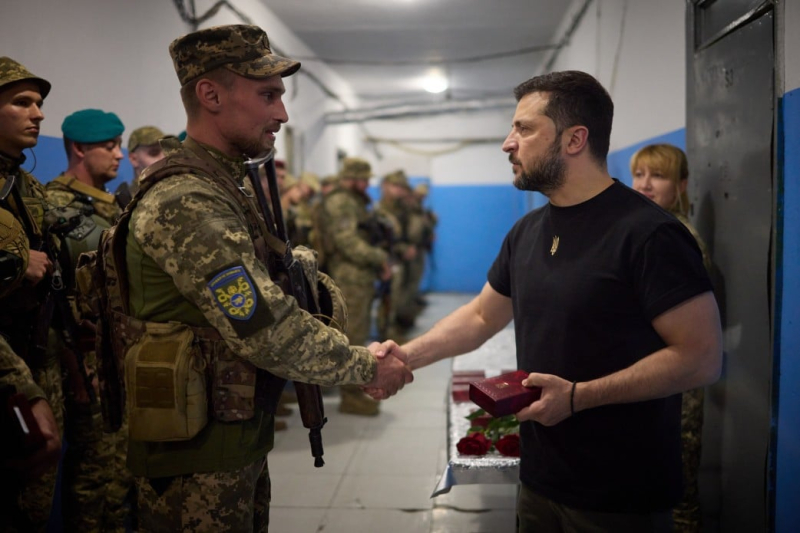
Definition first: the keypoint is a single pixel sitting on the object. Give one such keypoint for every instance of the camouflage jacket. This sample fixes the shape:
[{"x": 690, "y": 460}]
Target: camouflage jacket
[
  {"x": 14, "y": 371},
  {"x": 18, "y": 224},
  {"x": 66, "y": 190},
  {"x": 343, "y": 221},
  {"x": 186, "y": 233}
]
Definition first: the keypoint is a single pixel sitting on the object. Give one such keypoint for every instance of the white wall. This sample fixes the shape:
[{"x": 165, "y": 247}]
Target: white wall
[
  {"x": 641, "y": 62},
  {"x": 113, "y": 55}
]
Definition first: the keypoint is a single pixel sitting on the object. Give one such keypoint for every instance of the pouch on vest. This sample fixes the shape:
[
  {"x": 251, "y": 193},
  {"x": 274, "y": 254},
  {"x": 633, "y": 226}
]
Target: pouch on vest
[{"x": 166, "y": 385}]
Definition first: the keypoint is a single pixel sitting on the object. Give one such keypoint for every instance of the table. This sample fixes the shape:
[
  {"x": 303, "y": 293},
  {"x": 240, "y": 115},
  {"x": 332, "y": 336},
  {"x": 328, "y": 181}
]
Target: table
[{"x": 498, "y": 354}]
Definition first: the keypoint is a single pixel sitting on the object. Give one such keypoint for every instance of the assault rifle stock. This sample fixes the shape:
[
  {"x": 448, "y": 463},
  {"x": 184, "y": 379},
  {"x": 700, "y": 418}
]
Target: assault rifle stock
[{"x": 309, "y": 397}]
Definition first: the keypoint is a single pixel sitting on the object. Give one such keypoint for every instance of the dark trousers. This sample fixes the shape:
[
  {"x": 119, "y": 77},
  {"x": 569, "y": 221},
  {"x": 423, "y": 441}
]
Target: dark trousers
[{"x": 537, "y": 514}]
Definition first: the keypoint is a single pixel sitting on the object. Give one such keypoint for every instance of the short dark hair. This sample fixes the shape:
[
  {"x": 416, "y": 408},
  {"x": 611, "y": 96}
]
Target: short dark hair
[{"x": 575, "y": 99}]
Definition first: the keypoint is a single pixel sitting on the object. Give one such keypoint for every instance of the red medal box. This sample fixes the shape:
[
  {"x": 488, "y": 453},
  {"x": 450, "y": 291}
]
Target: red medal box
[{"x": 504, "y": 394}]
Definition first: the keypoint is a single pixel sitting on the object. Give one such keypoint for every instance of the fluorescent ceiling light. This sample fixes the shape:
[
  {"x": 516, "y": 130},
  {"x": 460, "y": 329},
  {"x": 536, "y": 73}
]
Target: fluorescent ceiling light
[{"x": 435, "y": 83}]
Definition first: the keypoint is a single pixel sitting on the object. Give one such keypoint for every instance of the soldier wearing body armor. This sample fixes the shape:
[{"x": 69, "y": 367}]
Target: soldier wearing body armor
[
  {"x": 96, "y": 482},
  {"x": 420, "y": 232},
  {"x": 195, "y": 312},
  {"x": 353, "y": 262},
  {"x": 28, "y": 275}
]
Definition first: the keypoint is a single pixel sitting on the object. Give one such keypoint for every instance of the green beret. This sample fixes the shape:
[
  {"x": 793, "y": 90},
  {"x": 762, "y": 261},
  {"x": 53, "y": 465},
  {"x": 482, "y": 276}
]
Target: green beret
[
  {"x": 144, "y": 136},
  {"x": 11, "y": 72},
  {"x": 92, "y": 126},
  {"x": 239, "y": 48},
  {"x": 355, "y": 168},
  {"x": 182, "y": 136}
]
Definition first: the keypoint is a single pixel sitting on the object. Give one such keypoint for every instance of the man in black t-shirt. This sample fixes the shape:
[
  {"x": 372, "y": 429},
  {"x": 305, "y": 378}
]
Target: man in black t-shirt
[{"x": 614, "y": 317}]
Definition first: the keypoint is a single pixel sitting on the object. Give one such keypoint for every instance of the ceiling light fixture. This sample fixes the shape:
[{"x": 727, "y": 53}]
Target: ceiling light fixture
[{"x": 435, "y": 82}]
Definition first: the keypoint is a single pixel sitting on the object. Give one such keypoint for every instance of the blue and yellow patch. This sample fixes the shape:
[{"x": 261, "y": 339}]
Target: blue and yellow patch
[{"x": 234, "y": 293}]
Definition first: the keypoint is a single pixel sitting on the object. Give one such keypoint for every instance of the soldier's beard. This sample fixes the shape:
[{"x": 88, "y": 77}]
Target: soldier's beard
[{"x": 547, "y": 175}]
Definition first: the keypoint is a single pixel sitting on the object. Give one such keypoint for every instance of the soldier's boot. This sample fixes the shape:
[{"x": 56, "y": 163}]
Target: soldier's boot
[{"x": 355, "y": 402}]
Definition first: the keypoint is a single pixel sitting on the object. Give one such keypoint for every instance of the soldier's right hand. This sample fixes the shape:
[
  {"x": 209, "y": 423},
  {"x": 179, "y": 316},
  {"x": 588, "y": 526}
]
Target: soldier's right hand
[
  {"x": 45, "y": 458},
  {"x": 38, "y": 266},
  {"x": 390, "y": 376}
]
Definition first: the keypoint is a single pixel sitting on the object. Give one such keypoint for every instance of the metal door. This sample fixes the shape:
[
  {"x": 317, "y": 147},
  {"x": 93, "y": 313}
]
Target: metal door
[{"x": 729, "y": 140}]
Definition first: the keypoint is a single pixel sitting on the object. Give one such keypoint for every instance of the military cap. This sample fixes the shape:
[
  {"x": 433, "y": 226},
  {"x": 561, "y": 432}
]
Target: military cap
[
  {"x": 355, "y": 168},
  {"x": 91, "y": 126},
  {"x": 240, "y": 48},
  {"x": 280, "y": 163},
  {"x": 182, "y": 136},
  {"x": 310, "y": 179},
  {"x": 329, "y": 180},
  {"x": 144, "y": 136},
  {"x": 397, "y": 177},
  {"x": 11, "y": 72}
]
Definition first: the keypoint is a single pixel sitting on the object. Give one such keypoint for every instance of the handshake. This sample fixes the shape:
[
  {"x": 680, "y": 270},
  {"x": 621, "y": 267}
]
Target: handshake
[{"x": 392, "y": 372}]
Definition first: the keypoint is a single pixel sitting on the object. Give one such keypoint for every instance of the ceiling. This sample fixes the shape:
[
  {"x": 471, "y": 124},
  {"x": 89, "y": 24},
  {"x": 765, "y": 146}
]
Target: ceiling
[{"x": 384, "y": 48}]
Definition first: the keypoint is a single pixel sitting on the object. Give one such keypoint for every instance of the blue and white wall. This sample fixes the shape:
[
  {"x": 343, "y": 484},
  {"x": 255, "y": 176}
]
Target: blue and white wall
[{"x": 114, "y": 56}]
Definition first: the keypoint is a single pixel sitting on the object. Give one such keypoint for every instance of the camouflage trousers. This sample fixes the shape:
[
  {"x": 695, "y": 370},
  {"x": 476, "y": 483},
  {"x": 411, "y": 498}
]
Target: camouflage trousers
[
  {"x": 27, "y": 509},
  {"x": 686, "y": 515},
  {"x": 235, "y": 501},
  {"x": 358, "y": 298},
  {"x": 96, "y": 481}
]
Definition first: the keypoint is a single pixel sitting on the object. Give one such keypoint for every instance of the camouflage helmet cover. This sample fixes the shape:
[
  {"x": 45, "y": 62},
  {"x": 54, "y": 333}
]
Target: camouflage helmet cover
[
  {"x": 12, "y": 72},
  {"x": 144, "y": 136},
  {"x": 355, "y": 168},
  {"x": 397, "y": 177},
  {"x": 240, "y": 48}
]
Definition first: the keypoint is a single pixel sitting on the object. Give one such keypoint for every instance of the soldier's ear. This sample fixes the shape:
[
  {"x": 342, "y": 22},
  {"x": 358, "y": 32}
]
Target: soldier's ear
[{"x": 208, "y": 96}]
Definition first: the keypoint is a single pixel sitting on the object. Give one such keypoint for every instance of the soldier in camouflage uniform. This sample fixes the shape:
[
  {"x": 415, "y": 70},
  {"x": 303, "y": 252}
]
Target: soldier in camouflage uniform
[
  {"x": 392, "y": 208},
  {"x": 190, "y": 271},
  {"x": 25, "y": 270},
  {"x": 353, "y": 262},
  {"x": 661, "y": 172},
  {"x": 96, "y": 481},
  {"x": 143, "y": 151},
  {"x": 421, "y": 223},
  {"x": 16, "y": 377}
]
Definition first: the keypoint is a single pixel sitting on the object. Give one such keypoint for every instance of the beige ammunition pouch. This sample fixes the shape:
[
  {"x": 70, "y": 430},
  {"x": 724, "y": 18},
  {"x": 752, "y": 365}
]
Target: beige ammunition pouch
[{"x": 166, "y": 384}]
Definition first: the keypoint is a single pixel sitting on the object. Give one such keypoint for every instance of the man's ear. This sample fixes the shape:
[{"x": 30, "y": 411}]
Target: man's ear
[
  {"x": 77, "y": 150},
  {"x": 576, "y": 139},
  {"x": 208, "y": 94}
]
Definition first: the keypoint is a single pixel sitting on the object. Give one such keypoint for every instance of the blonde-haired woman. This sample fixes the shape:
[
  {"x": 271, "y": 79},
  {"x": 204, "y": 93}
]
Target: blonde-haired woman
[{"x": 661, "y": 172}]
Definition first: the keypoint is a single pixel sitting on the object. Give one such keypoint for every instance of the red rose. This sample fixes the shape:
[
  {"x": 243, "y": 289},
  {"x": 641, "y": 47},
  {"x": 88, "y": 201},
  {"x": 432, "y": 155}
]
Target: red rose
[
  {"x": 508, "y": 445},
  {"x": 474, "y": 444}
]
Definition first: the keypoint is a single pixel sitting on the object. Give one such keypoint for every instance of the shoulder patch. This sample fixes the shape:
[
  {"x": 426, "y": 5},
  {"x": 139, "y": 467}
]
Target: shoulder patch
[{"x": 234, "y": 293}]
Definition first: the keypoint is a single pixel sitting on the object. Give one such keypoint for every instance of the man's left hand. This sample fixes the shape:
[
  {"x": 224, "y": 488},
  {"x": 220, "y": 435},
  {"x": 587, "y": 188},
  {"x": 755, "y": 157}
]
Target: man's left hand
[{"x": 554, "y": 404}]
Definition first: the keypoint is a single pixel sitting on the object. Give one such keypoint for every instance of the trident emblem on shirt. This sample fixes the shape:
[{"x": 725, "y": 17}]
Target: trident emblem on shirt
[{"x": 554, "y": 248}]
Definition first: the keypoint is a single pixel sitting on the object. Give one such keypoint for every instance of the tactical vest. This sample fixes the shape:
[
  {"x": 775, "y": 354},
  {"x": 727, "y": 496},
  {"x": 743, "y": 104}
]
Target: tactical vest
[{"x": 168, "y": 375}]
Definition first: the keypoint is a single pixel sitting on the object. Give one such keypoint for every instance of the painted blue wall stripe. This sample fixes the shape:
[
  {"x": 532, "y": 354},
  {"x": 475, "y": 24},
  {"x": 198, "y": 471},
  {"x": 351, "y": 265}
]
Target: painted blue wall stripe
[{"x": 787, "y": 316}]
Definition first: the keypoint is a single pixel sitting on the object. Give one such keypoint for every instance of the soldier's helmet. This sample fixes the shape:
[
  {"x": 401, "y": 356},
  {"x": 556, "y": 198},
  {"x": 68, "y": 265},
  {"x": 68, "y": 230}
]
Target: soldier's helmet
[
  {"x": 12, "y": 72},
  {"x": 355, "y": 168},
  {"x": 144, "y": 136},
  {"x": 240, "y": 48},
  {"x": 398, "y": 177}
]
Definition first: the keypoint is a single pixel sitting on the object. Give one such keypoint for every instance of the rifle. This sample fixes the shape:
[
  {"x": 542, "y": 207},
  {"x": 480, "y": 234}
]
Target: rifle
[
  {"x": 309, "y": 397},
  {"x": 60, "y": 221}
]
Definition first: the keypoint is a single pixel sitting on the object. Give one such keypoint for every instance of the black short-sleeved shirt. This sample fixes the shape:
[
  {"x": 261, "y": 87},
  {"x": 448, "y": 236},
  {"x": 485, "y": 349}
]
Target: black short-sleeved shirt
[{"x": 585, "y": 311}]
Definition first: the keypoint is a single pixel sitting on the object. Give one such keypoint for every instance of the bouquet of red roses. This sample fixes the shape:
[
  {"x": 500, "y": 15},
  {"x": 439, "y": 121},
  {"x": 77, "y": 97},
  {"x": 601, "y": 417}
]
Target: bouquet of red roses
[{"x": 487, "y": 433}]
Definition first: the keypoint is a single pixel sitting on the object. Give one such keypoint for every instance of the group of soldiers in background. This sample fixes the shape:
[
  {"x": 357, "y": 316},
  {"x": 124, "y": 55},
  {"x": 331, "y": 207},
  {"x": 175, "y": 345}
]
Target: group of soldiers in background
[
  {"x": 48, "y": 364},
  {"x": 374, "y": 254}
]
